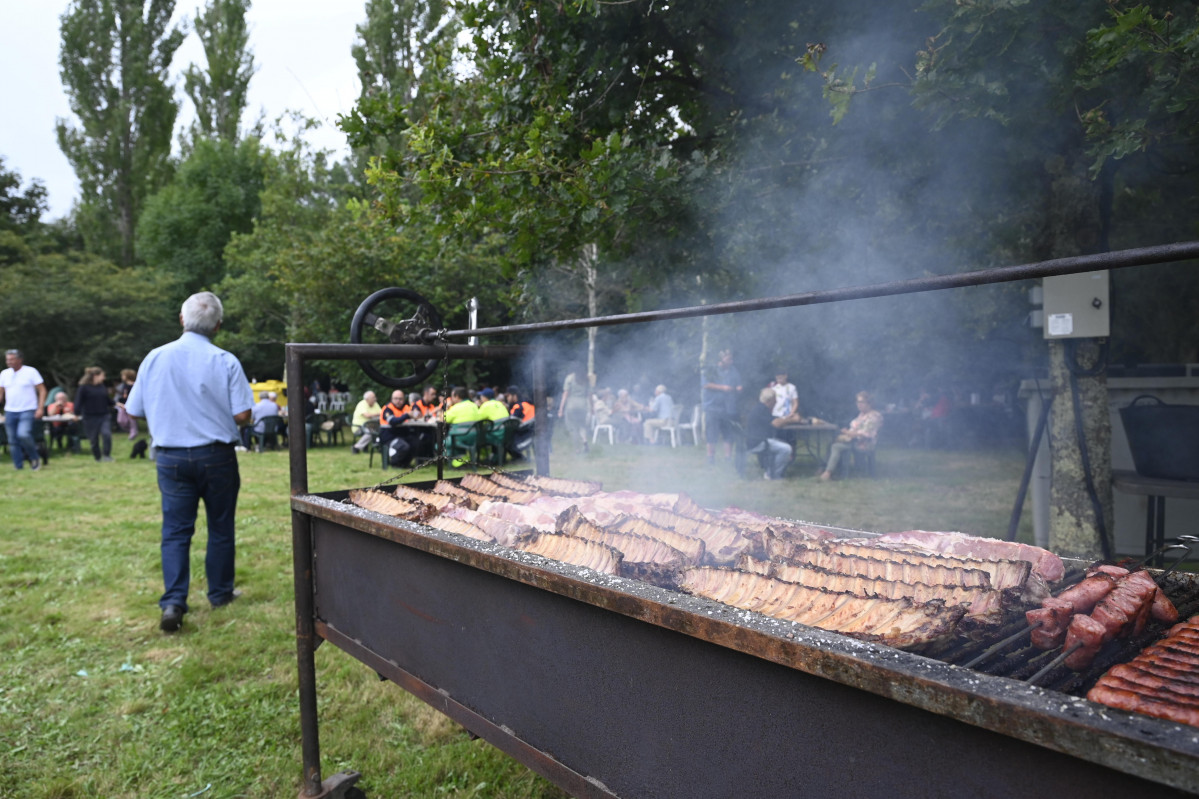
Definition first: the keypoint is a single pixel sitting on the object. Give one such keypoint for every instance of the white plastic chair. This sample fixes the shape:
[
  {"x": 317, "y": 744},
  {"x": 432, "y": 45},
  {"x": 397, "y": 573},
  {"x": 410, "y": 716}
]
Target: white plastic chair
[
  {"x": 595, "y": 431},
  {"x": 691, "y": 427},
  {"x": 673, "y": 429}
]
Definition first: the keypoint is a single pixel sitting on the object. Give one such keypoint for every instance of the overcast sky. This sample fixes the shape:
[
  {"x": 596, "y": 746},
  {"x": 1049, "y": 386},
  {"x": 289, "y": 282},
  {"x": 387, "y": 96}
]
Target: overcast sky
[{"x": 301, "y": 52}]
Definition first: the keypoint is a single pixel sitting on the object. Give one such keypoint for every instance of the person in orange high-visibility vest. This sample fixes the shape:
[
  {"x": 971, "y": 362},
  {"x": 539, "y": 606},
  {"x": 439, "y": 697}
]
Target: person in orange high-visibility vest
[{"x": 518, "y": 408}]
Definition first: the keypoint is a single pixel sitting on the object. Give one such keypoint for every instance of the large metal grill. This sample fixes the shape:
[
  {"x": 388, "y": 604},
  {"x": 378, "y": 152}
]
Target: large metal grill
[{"x": 612, "y": 687}]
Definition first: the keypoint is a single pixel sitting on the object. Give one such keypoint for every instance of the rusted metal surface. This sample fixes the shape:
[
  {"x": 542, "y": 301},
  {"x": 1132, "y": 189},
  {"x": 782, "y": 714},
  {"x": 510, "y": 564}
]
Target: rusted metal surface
[
  {"x": 637, "y": 686},
  {"x": 307, "y": 639}
]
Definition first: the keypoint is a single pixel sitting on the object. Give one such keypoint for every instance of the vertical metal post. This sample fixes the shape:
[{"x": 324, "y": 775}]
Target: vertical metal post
[
  {"x": 301, "y": 542},
  {"x": 472, "y": 319},
  {"x": 541, "y": 430}
]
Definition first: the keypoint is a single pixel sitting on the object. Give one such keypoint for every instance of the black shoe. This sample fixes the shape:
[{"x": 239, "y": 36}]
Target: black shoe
[
  {"x": 236, "y": 593},
  {"x": 172, "y": 619}
]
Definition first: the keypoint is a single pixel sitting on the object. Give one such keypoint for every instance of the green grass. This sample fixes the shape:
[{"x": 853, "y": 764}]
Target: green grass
[{"x": 96, "y": 702}]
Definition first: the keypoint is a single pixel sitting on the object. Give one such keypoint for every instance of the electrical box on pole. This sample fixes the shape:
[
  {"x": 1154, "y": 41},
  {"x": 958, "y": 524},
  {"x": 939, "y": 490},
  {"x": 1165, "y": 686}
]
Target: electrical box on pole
[{"x": 1076, "y": 306}]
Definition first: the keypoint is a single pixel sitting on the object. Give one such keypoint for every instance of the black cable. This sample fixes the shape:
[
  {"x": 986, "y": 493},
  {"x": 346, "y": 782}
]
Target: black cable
[{"x": 1076, "y": 371}]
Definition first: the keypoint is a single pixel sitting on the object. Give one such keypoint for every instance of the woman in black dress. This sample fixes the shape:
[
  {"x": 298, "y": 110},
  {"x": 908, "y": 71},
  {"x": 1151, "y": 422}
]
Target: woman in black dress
[{"x": 93, "y": 404}]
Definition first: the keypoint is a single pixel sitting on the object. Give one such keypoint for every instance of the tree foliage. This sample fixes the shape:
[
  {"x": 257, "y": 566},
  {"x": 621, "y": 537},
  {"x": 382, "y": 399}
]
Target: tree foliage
[
  {"x": 72, "y": 310},
  {"x": 115, "y": 61},
  {"x": 20, "y": 209},
  {"x": 214, "y": 194},
  {"x": 219, "y": 91}
]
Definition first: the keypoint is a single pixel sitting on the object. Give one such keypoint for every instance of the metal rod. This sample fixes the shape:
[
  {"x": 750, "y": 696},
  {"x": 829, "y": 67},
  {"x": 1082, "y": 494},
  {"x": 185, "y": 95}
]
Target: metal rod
[
  {"x": 1184, "y": 544},
  {"x": 472, "y": 321},
  {"x": 411, "y": 352},
  {"x": 1053, "y": 664},
  {"x": 1029, "y": 463},
  {"x": 543, "y": 427},
  {"x": 1141, "y": 256},
  {"x": 991, "y": 650},
  {"x": 301, "y": 546}
]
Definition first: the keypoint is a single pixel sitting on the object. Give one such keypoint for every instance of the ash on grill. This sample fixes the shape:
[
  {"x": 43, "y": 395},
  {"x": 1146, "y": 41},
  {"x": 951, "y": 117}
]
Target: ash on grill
[{"x": 947, "y": 596}]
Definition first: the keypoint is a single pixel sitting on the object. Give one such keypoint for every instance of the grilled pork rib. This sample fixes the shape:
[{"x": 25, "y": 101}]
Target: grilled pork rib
[
  {"x": 1043, "y": 562},
  {"x": 895, "y": 622}
]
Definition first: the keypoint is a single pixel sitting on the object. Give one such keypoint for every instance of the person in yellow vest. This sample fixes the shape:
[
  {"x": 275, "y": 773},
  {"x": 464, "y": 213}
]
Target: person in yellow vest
[
  {"x": 490, "y": 407},
  {"x": 459, "y": 409},
  {"x": 367, "y": 410}
]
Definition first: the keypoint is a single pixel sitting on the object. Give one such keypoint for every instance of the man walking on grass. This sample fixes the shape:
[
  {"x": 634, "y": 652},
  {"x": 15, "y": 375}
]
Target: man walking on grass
[
  {"x": 194, "y": 395},
  {"x": 23, "y": 393}
]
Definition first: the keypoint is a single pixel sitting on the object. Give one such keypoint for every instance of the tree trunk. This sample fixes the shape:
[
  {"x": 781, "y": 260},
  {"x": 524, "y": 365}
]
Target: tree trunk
[
  {"x": 1074, "y": 223},
  {"x": 587, "y": 260},
  {"x": 1075, "y": 526}
]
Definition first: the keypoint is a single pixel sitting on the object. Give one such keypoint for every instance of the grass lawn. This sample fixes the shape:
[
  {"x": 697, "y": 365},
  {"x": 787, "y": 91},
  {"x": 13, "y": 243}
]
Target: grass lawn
[{"x": 96, "y": 702}]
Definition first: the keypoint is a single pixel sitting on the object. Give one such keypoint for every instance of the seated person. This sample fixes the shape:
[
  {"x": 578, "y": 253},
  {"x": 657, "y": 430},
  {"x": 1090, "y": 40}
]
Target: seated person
[
  {"x": 525, "y": 412},
  {"x": 518, "y": 408},
  {"x": 367, "y": 410},
  {"x": 459, "y": 409},
  {"x": 428, "y": 405},
  {"x": 490, "y": 407},
  {"x": 64, "y": 431},
  {"x": 266, "y": 406},
  {"x": 626, "y": 418},
  {"x": 391, "y": 422},
  {"x": 660, "y": 413},
  {"x": 861, "y": 435},
  {"x": 759, "y": 437},
  {"x": 601, "y": 407}
]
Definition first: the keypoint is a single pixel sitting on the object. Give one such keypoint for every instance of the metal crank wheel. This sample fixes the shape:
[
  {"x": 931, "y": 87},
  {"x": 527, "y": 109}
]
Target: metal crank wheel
[{"x": 414, "y": 330}]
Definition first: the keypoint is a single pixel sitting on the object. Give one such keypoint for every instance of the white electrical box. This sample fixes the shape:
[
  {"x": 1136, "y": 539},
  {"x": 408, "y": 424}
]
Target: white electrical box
[{"x": 1076, "y": 306}]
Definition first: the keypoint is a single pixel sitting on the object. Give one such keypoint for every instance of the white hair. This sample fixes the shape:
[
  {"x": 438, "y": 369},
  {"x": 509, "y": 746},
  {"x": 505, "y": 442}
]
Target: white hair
[{"x": 202, "y": 313}]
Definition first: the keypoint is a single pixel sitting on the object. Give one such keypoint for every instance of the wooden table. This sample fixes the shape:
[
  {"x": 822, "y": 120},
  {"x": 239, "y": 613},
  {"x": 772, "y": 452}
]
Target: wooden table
[
  {"x": 1156, "y": 489},
  {"x": 809, "y": 435}
]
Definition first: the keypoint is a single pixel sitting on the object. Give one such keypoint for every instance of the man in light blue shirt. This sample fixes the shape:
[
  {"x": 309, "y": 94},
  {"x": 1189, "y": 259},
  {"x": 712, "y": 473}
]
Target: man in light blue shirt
[{"x": 195, "y": 396}]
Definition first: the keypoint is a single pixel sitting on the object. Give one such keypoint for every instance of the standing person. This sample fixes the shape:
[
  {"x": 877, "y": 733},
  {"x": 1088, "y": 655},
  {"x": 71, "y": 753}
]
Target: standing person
[
  {"x": 572, "y": 408},
  {"x": 786, "y": 398},
  {"x": 195, "y": 396},
  {"x": 24, "y": 394},
  {"x": 719, "y": 395},
  {"x": 94, "y": 406},
  {"x": 124, "y": 420}
]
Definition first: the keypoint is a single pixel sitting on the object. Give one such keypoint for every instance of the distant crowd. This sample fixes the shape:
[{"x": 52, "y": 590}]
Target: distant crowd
[{"x": 36, "y": 419}]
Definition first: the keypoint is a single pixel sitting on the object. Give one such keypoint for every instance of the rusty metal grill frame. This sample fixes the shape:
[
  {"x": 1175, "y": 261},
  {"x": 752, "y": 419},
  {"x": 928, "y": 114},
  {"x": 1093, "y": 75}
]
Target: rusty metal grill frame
[{"x": 1037, "y": 742}]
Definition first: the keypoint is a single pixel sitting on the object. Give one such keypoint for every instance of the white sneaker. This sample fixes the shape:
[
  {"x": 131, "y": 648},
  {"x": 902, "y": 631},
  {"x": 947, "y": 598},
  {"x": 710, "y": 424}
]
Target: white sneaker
[
  {"x": 766, "y": 476},
  {"x": 239, "y": 448}
]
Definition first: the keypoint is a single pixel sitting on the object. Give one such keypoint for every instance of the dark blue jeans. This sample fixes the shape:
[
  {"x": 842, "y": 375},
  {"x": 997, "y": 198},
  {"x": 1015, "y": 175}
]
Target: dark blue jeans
[
  {"x": 19, "y": 426},
  {"x": 185, "y": 476}
]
